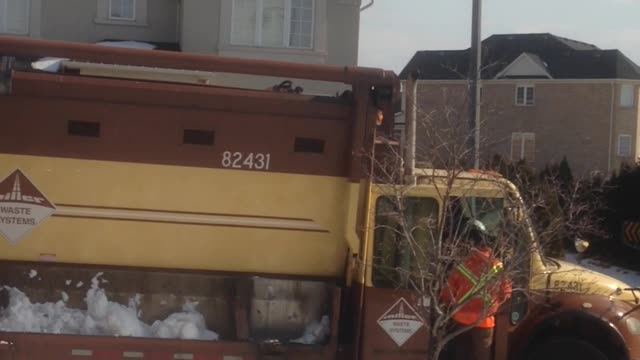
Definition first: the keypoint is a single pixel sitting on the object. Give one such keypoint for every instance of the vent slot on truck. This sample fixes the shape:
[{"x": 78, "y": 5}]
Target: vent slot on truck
[
  {"x": 83, "y": 128},
  {"x": 198, "y": 137},
  {"x": 308, "y": 145}
]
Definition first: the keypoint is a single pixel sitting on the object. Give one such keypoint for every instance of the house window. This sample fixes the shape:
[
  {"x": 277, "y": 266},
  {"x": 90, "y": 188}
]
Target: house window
[
  {"x": 122, "y": 9},
  {"x": 273, "y": 23},
  {"x": 525, "y": 95},
  {"x": 523, "y": 146},
  {"x": 624, "y": 145},
  {"x": 14, "y": 16},
  {"x": 627, "y": 93}
]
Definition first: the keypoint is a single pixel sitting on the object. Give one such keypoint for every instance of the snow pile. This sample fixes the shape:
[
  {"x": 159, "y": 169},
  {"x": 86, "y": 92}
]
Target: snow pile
[
  {"x": 315, "y": 333},
  {"x": 33, "y": 273},
  {"x": 53, "y": 64},
  {"x": 48, "y": 64},
  {"x": 102, "y": 317}
]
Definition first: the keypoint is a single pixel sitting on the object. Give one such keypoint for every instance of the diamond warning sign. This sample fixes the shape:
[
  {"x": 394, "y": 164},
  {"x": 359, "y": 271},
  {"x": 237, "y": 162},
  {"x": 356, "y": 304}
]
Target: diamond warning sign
[
  {"x": 401, "y": 322},
  {"x": 22, "y": 207}
]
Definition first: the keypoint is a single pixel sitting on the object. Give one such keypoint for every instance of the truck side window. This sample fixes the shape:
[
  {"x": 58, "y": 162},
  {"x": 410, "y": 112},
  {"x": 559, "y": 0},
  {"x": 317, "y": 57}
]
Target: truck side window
[{"x": 403, "y": 228}]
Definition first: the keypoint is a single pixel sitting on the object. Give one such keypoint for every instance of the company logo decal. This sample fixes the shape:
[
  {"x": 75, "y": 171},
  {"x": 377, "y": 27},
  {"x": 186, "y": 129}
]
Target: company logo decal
[{"x": 401, "y": 322}]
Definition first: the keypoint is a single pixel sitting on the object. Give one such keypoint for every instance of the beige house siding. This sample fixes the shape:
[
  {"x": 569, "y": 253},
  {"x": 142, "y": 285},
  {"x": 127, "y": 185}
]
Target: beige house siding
[
  {"x": 343, "y": 27},
  {"x": 86, "y": 24},
  {"x": 569, "y": 118},
  {"x": 200, "y": 26}
]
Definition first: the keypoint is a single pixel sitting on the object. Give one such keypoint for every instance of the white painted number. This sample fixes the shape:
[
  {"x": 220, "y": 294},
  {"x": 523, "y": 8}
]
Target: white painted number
[{"x": 253, "y": 161}]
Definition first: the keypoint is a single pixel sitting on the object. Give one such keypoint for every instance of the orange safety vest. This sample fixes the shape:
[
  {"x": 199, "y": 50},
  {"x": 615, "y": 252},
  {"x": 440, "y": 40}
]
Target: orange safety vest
[{"x": 474, "y": 282}]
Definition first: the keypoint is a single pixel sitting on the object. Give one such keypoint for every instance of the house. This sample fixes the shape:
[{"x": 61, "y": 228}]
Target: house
[
  {"x": 305, "y": 31},
  {"x": 543, "y": 97}
]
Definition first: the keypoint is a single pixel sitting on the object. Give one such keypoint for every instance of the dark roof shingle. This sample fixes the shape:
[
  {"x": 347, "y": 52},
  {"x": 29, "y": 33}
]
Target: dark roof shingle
[{"x": 564, "y": 59}]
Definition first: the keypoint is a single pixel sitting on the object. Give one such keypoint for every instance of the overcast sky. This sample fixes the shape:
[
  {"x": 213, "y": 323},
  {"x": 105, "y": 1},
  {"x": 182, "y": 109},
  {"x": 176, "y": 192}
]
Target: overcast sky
[{"x": 393, "y": 30}]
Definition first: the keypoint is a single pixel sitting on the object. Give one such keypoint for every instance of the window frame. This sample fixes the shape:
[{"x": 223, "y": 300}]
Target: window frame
[
  {"x": 111, "y": 17},
  {"x": 630, "y": 146},
  {"x": 523, "y": 137},
  {"x": 527, "y": 88},
  {"x": 4, "y": 14},
  {"x": 377, "y": 275},
  {"x": 286, "y": 36},
  {"x": 632, "y": 98}
]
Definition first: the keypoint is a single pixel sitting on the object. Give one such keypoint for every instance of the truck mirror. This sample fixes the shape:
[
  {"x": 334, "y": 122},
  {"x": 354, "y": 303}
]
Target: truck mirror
[
  {"x": 581, "y": 245},
  {"x": 518, "y": 306}
]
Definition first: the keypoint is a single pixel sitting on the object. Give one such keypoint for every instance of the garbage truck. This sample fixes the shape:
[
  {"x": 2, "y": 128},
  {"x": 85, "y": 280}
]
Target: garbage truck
[{"x": 146, "y": 213}]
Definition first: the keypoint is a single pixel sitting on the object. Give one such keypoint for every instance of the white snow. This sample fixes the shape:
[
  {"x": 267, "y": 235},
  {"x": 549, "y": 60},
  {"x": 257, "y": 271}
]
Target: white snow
[
  {"x": 52, "y": 64},
  {"x": 33, "y": 273},
  {"x": 48, "y": 64},
  {"x": 627, "y": 276},
  {"x": 315, "y": 333},
  {"x": 79, "y": 284},
  {"x": 68, "y": 282},
  {"x": 102, "y": 317}
]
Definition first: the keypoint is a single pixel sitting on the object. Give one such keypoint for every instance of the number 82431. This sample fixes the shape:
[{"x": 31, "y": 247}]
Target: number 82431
[{"x": 252, "y": 161}]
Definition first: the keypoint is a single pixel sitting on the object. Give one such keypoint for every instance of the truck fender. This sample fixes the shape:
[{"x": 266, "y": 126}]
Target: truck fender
[{"x": 584, "y": 317}]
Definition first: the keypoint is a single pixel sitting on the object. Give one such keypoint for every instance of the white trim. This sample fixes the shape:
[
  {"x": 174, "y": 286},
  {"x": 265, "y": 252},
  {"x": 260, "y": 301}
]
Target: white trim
[
  {"x": 110, "y": 17},
  {"x": 522, "y": 57},
  {"x": 523, "y": 136},
  {"x": 526, "y": 88},
  {"x": 286, "y": 27},
  {"x": 633, "y": 95},
  {"x": 619, "y": 152},
  {"x": 4, "y": 12},
  {"x": 286, "y": 36},
  {"x": 257, "y": 40}
]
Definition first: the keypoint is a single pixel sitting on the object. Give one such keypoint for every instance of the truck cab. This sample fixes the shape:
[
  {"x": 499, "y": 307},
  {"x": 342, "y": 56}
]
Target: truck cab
[{"x": 557, "y": 310}]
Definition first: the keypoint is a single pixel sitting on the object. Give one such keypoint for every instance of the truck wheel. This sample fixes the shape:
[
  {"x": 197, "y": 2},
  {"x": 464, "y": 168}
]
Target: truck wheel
[{"x": 565, "y": 348}]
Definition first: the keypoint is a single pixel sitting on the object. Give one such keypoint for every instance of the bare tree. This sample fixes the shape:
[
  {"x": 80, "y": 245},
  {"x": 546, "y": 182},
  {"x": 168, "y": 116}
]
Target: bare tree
[{"x": 419, "y": 243}]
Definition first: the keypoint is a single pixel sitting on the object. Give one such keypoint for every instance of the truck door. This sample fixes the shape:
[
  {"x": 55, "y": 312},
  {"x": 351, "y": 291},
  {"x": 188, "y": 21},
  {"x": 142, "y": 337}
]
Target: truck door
[{"x": 393, "y": 325}]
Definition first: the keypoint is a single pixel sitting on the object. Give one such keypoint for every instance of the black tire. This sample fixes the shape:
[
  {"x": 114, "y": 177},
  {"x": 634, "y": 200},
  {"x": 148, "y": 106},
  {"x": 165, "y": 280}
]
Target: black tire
[{"x": 565, "y": 348}]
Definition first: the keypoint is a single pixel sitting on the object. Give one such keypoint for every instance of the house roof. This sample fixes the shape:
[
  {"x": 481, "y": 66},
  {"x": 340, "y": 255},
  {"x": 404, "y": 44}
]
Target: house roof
[{"x": 563, "y": 59}]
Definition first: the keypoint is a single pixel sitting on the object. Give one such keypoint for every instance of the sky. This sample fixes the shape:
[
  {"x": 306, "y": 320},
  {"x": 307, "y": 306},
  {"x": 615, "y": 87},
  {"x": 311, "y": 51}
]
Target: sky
[{"x": 393, "y": 30}]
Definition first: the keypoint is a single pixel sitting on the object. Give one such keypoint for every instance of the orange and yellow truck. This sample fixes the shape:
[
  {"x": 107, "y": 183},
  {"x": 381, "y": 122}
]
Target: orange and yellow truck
[{"x": 146, "y": 213}]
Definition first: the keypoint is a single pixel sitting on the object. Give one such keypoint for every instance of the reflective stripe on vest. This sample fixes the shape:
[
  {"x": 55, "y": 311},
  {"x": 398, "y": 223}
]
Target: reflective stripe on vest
[{"x": 478, "y": 284}]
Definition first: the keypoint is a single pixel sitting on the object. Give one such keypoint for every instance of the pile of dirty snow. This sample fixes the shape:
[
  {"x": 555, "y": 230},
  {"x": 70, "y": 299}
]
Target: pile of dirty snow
[
  {"x": 315, "y": 333},
  {"x": 629, "y": 277},
  {"x": 102, "y": 317}
]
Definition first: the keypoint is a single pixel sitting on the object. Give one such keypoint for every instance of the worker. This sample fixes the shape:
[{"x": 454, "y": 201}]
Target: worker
[{"x": 475, "y": 289}]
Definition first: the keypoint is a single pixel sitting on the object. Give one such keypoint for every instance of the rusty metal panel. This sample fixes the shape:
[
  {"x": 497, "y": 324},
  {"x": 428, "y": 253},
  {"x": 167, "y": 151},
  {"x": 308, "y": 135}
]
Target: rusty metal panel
[{"x": 62, "y": 347}]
